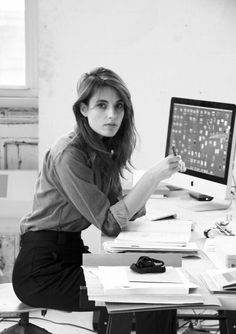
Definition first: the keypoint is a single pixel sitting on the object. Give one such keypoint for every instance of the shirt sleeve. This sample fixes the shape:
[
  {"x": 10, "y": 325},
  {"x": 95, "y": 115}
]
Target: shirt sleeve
[
  {"x": 76, "y": 181},
  {"x": 140, "y": 213}
]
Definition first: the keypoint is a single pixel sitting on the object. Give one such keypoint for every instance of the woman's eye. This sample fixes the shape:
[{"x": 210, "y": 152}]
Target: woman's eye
[
  {"x": 102, "y": 106},
  {"x": 120, "y": 106}
]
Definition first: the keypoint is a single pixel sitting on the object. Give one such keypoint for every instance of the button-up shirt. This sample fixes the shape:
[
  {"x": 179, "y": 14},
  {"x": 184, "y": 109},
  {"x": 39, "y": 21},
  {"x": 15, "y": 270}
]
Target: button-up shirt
[{"x": 69, "y": 194}]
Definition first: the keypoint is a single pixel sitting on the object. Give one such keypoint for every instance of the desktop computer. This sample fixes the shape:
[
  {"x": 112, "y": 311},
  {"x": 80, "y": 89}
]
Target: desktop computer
[{"x": 204, "y": 134}]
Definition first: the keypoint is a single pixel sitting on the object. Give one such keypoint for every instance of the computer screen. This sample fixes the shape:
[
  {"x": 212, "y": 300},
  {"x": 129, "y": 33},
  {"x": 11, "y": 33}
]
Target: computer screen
[{"x": 203, "y": 133}]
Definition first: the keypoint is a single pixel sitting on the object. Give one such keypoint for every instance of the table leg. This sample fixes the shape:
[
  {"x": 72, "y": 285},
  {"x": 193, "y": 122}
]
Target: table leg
[{"x": 119, "y": 323}]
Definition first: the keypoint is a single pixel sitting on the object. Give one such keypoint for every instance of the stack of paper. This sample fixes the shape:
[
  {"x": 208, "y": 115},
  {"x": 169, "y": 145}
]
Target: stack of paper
[
  {"x": 167, "y": 235},
  {"x": 220, "y": 280},
  {"x": 221, "y": 251},
  {"x": 121, "y": 285}
]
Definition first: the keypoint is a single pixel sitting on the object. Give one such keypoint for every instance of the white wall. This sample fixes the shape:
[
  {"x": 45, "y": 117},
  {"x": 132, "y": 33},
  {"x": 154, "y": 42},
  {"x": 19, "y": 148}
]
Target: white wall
[{"x": 161, "y": 48}]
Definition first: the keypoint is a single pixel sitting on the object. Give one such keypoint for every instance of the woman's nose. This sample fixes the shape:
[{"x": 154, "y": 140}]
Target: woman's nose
[{"x": 111, "y": 112}]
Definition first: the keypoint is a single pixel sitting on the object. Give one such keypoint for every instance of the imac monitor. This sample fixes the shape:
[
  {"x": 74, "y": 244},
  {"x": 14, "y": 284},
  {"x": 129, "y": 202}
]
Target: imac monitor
[{"x": 204, "y": 135}]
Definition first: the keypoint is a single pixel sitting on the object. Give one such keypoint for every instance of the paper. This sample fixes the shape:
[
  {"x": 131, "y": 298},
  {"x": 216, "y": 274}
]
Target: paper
[
  {"x": 96, "y": 291},
  {"x": 168, "y": 225},
  {"x": 171, "y": 275},
  {"x": 116, "y": 280},
  {"x": 210, "y": 250},
  {"x": 150, "y": 238},
  {"x": 151, "y": 299},
  {"x": 159, "y": 232},
  {"x": 210, "y": 301},
  {"x": 154, "y": 238},
  {"x": 223, "y": 278},
  {"x": 122, "y": 246}
]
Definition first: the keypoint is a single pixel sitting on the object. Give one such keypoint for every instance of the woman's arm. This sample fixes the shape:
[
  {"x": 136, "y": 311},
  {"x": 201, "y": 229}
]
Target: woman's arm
[
  {"x": 75, "y": 181},
  {"x": 146, "y": 186}
]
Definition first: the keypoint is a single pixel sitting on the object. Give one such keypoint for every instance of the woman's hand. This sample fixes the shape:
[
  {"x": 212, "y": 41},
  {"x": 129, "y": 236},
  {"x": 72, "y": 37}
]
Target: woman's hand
[
  {"x": 182, "y": 167},
  {"x": 147, "y": 184},
  {"x": 168, "y": 166}
]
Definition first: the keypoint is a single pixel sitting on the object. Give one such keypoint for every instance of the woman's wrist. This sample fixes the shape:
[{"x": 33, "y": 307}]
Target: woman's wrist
[
  {"x": 152, "y": 177},
  {"x": 141, "y": 192}
]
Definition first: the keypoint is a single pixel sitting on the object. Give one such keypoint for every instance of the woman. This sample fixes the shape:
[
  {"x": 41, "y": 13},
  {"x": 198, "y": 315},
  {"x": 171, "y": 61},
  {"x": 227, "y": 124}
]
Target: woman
[{"x": 79, "y": 185}]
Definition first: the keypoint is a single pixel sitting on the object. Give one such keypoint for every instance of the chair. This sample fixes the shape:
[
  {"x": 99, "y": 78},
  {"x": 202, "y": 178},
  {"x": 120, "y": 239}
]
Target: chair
[{"x": 12, "y": 307}]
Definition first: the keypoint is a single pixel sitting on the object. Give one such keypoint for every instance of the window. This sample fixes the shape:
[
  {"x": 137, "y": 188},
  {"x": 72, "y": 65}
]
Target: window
[
  {"x": 18, "y": 55},
  {"x": 18, "y": 85}
]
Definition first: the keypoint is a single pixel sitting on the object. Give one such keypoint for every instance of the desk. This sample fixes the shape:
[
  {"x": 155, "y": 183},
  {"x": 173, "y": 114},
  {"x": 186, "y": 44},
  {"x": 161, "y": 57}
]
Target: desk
[{"x": 182, "y": 203}]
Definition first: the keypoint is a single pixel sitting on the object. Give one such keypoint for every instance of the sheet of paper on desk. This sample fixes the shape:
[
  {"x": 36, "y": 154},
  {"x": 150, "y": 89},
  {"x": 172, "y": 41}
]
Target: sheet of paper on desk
[
  {"x": 220, "y": 258},
  {"x": 170, "y": 228},
  {"x": 191, "y": 298},
  {"x": 120, "y": 280},
  {"x": 171, "y": 275},
  {"x": 147, "y": 238},
  {"x": 220, "y": 280},
  {"x": 139, "y": 233},
  {"x": 116, "y": 247},
  {"x": 210, "y": 301}
]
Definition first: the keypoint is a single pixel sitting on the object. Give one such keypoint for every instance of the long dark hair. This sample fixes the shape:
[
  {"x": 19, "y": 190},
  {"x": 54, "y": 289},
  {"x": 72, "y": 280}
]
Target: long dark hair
[{"x": 113, "y": 153}]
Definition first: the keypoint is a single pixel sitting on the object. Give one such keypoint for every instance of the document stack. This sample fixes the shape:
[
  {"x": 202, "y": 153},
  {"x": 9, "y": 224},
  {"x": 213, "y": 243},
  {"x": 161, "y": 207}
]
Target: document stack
[
  {"x": 119, "y": 284},
  {"x": 221, "y": 251},
  {"x": 171, "y": 235},
  {"x": 220, "y": 280}
]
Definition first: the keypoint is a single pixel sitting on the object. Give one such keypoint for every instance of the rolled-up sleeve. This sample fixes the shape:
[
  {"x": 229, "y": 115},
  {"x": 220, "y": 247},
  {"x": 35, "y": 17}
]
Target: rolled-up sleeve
[
  {"x": 120, "y": 214},
  {"x": 117, "y": 219}
]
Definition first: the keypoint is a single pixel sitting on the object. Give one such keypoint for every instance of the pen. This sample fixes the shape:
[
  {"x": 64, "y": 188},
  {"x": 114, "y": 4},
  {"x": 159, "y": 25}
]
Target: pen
[{"x": 174, "y": 150}]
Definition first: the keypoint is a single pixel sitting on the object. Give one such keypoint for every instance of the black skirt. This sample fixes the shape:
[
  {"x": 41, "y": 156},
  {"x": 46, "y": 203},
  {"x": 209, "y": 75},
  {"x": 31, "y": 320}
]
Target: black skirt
[{"x": 47, "y": 272}]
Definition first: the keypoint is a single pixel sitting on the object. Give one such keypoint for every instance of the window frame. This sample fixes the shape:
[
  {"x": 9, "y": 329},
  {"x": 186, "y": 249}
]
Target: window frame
[{"x": 26, "y": 96}]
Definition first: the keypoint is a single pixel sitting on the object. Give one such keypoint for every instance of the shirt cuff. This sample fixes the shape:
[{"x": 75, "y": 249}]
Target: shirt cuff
[{"x": 120, "y": 213}]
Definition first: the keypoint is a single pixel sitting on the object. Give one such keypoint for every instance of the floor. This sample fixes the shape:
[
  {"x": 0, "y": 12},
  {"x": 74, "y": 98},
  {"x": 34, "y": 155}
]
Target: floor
[{"x": 69, "y": 322}]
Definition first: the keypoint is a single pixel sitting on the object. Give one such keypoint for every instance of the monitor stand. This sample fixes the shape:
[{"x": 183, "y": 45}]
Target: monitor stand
[
  {"x": 200, "y": 197},
  {"x": 209, "y": 203}
]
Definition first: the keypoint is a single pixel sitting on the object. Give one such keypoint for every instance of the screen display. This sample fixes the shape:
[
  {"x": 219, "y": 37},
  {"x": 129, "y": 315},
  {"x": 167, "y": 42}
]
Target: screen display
[{"x": 201, "y": 132}]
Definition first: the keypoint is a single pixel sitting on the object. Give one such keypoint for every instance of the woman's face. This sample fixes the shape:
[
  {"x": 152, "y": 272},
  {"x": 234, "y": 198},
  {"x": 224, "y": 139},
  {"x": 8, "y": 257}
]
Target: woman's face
[{"x": 105, "y": 111}]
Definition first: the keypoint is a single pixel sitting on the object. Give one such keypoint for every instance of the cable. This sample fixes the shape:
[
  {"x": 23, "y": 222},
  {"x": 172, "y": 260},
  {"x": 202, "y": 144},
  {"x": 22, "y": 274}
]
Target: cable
[
  {"x": 64, "y": 323},
  {"x": 7, "y": 320},
  {"x": 201, "y": 324},
  {"x": 184, "y": 325},
  {"x": 54, "y": 322}
]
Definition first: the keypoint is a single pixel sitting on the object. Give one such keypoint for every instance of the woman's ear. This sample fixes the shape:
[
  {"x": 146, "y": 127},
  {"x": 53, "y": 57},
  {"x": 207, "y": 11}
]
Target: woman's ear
[{"x": 83, "y": 109}]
